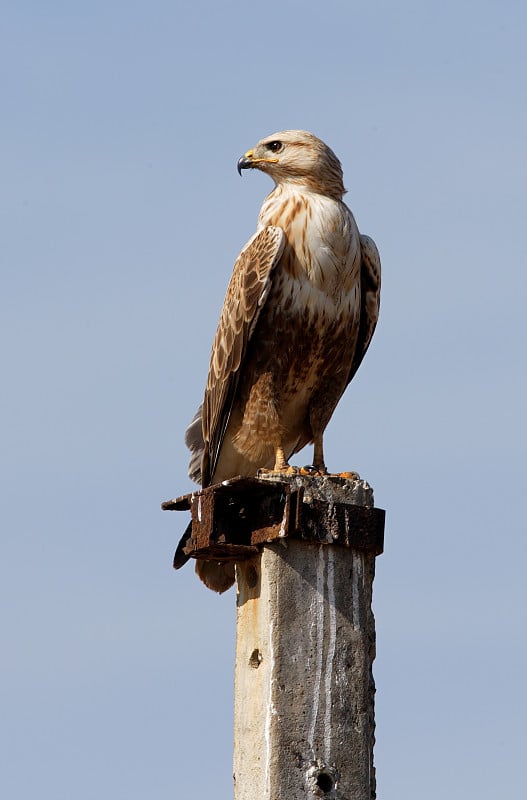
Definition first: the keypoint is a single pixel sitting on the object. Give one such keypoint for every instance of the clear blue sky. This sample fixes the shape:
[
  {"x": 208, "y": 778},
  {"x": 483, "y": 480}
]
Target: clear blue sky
[{"x": 121, "y": 215}]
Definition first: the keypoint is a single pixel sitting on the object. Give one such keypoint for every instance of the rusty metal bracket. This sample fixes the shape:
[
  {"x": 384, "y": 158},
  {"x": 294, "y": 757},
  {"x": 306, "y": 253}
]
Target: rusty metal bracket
[{"x": 230, "y": 520}]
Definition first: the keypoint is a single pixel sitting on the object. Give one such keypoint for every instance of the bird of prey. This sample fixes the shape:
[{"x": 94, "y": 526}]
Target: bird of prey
[{"x": 298, "y": 316}]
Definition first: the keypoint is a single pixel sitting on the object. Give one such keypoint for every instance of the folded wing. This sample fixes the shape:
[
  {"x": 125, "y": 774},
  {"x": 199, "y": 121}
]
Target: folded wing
[{"x": 247, "y": 292}]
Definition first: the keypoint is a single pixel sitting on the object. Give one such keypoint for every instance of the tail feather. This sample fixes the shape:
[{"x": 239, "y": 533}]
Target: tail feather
[
  {"x": 196, "y": 445},
  {"x": 216, "y": 575}
]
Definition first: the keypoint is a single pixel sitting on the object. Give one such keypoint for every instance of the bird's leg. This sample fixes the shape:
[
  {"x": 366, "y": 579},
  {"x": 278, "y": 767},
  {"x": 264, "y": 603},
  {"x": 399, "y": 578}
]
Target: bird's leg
[
  {"x": 280, "y": 461},
  {"x": 319, "y": 465},
  {"x": 281, "y": 467},
  {"x": 318, "y": 454}
]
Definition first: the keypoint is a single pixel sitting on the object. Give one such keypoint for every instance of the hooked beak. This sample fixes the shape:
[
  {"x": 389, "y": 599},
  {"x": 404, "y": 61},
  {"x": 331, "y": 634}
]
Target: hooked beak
[
  {"x": 248, "y": 161},
  {"x": 245, "y": 162}
]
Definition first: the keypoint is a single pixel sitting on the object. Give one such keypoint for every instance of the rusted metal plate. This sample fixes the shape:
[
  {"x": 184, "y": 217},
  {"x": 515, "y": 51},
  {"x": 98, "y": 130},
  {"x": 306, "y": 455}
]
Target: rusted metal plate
[
  {"x": 359, "y": 527},
  {"x": 182, "y": 503},
  {"x": 230, "y": 488},
  {"x": 230, "y": 520}
]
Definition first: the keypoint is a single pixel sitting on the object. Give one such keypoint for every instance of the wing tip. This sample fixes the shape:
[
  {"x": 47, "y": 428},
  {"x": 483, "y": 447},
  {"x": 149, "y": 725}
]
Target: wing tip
[{"x": 196, "y": 445}]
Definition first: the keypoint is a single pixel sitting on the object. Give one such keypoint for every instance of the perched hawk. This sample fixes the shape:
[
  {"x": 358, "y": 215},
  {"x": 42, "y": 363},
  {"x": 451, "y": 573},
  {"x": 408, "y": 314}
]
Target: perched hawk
[{"x": 298, "y": 316}]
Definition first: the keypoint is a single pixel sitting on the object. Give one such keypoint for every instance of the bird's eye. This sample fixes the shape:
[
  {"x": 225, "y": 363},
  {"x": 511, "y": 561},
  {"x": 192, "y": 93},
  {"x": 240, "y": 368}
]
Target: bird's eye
[{"x": 274, "y": 147}]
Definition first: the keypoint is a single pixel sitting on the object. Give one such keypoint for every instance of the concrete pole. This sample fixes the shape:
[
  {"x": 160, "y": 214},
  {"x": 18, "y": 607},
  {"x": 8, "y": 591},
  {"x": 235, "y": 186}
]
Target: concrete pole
[{"x": 304, "y": 690}]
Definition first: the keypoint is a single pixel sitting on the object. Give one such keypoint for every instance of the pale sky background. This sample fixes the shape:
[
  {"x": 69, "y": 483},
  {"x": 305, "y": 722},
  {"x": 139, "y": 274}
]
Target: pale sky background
[{"x": 121, "y": 216}]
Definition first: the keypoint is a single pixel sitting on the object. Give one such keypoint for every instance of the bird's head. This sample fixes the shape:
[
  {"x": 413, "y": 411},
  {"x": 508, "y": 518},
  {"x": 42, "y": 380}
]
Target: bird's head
[{"x": 299, "y": 158}]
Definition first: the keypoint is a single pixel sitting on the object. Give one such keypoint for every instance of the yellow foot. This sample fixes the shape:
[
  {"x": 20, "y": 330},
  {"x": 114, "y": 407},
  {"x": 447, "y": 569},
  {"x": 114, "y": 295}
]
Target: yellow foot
[
  {"x": 322, "y": 472},
  {"x": 311, "y": 472},
  {"x": 277, "y": 473}
]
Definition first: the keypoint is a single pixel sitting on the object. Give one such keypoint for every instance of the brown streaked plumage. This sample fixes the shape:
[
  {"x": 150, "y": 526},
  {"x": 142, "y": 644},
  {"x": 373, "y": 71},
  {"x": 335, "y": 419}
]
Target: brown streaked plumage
[{"x": 299, "y": 314}]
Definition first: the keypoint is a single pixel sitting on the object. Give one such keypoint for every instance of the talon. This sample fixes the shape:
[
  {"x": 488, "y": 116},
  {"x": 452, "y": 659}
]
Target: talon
[
  {"x": 291, "y": 471},
  {"x": 313, "y": 471},
  {"x": 309, "y": 469}
]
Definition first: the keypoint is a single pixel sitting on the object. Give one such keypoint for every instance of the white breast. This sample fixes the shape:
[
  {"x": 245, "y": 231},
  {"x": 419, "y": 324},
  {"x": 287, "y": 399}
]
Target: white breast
[{"x": 324, "y": 236}]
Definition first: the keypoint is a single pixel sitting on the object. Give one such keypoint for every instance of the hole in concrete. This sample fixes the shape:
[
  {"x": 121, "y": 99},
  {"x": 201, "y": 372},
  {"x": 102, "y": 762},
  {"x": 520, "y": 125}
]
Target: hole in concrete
[
  {"x": 251, "y": 576},
  {"x": 322, "y": 779},
  {"x": 325, "y": 782},
  {"x": 255, "y": 659}
]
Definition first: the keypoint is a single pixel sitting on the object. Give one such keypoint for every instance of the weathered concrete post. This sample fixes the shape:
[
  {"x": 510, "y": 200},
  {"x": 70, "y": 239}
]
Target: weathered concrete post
[
  {"x": 305, "y": 551},
  {"x": 304, "y": 690}
]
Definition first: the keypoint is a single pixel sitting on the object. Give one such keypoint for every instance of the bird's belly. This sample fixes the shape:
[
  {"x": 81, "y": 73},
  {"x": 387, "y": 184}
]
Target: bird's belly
[
  {"x": 321, "y": 370},
  {"x": 302, "y": 361}
]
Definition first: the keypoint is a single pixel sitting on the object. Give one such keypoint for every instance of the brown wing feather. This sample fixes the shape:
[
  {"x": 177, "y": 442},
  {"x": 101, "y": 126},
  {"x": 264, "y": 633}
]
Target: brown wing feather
[
  {"x": 246, "y": 294},
  {"x": 370, "y": 299}
]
